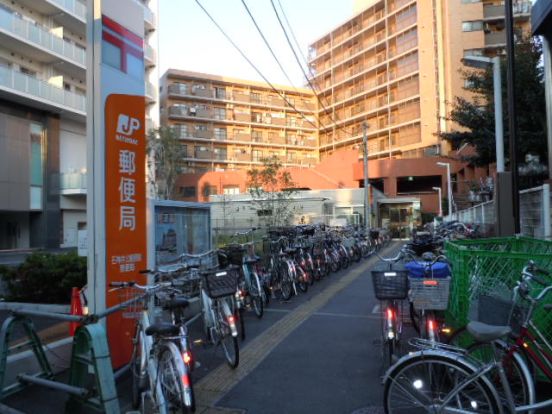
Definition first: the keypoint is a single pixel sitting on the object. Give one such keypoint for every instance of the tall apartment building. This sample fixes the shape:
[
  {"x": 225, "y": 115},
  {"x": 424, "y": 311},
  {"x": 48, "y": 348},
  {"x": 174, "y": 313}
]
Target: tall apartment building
[
  {"x": 228, "y": 124},
  {"x": 43, "y": 119},
  {"x": 395, "y": 65}
]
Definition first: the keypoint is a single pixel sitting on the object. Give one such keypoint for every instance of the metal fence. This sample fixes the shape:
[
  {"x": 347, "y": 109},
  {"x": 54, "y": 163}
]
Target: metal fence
[{"x": 535, "y": 214}]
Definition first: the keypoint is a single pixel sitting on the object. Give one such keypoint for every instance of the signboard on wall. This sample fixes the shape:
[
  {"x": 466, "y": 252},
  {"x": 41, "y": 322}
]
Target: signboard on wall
[{"x": 125, "y": 207}]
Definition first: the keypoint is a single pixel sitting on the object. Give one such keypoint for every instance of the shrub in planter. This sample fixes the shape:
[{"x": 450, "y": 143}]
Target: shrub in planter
[{"x": 45, "y": 278}]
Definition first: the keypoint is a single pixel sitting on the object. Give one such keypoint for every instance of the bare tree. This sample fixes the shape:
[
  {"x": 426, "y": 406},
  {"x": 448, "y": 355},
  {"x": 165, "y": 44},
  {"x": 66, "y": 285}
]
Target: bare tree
[
  {"x": 272, "y": 190},
  {"x": 165, "y": 155}
]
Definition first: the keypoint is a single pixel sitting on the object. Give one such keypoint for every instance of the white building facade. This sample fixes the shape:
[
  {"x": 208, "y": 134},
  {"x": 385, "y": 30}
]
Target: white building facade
[{"x": 43, "y": 118}]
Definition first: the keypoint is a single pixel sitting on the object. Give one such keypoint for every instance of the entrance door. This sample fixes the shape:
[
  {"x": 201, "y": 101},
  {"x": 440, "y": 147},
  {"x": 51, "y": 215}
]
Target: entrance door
[{"x": 398, "y": 218}]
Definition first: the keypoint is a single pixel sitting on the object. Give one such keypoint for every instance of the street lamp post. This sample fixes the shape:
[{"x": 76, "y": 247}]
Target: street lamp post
[
  {"x": 438, "y": 189},
  {"x": 366, "y": 184},
  {"x": 481, "y": 62},
  {"x": 449, "y": 186}
]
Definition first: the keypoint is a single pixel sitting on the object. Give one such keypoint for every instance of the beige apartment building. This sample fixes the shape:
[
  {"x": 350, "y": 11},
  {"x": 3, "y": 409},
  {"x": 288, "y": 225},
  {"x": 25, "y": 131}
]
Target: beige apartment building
[
  {"x": 395, "y": 65},
  {"x": 230, "y": 124}
]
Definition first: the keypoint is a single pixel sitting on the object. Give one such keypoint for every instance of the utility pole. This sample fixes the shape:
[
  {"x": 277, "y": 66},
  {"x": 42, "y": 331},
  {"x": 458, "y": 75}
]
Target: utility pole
[
  {"x": 367, "y": 211},
  {"x": 512, "y": 121}
]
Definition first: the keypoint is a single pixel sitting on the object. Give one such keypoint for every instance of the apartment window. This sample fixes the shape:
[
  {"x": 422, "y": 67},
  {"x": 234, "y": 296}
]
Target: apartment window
[
  {"x": 272, "y": 137},
  {"x": 231, "y": 190},
  {"x": 255, "y": 97},
  {"x": 220, "y": 153},
  {"x": 220, "y": 133},
  {"x": 472, "y": 26},
  {"x": 181, "y": 130},
  {"x": 200, "y": 150},
  {"x": 291, "y": 156},
  {"x": 181, "y": 88},
  {"x": 257, "y": 155},
  {"x": 188, "y": 191},
  {"x": 184, "y": 150},
  {"x": 220, "y": 93},
  {"x": 198, "y": 87},
  {"x": 209, "y": 190},
  {"x": 200, "y": 127},
  {"x": 473, "y": 52},
  {"x": 471, "y": 1},
  {"x": 292, "y": 121},
  {"x": 256, "y": 117},
  {"x": 237, "y": 132},
  {"x": 220, "y": 113},
  {"x": 256, "y": 136}
]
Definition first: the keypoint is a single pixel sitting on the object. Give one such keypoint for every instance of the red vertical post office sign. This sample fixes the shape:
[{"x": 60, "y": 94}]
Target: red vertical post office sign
[{"x": 125, "y": 204}]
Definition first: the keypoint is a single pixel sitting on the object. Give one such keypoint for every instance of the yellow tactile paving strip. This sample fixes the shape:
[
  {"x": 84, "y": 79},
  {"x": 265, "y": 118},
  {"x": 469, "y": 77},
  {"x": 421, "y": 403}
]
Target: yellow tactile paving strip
[{"x": 215, "y": 385}]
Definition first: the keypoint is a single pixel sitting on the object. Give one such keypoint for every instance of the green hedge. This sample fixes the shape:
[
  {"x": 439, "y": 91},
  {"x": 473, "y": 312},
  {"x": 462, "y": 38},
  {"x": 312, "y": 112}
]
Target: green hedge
[{"x": 44, "y": 278}]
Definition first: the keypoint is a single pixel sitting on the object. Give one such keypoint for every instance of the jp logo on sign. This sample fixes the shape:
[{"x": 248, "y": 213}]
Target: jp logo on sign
[{"x": 127, "y": 125}]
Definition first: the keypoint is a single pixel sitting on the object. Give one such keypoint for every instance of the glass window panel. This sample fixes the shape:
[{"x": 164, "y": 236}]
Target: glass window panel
[{"x": 36, "y": 155}]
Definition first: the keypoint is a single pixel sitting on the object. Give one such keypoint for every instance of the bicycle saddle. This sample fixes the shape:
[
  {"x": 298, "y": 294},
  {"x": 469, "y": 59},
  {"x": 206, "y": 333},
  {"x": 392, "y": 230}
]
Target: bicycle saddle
[
  {"x": 178, "y": 302},
  {"x": 487, "y": 333},
  {"x": 162, "y": 329}
]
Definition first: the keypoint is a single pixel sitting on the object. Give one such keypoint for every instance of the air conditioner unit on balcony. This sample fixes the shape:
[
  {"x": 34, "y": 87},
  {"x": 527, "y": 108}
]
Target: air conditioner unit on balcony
[{"x": 192, "y": 111}]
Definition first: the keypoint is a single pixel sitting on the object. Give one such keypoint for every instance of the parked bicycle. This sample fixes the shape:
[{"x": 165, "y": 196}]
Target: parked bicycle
[
  {"x": 447, "y": 378},
  {"x": 161, "y": 355},
  {"x": 390, "y": 288}
]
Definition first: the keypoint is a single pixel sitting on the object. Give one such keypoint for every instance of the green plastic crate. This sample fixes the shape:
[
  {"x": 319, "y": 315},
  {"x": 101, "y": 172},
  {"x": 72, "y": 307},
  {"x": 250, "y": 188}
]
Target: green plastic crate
[{"x": 492, "y": 266}]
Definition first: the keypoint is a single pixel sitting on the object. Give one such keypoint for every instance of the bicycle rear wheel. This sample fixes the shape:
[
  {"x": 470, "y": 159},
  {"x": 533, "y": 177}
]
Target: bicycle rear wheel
[
  {"x": 227, "y": 339},
  {"x": 421, "y": 384},
  {"x": 256, "y": 294},
  {"x": 286, "y": 284},
  {"x": 301, "y": 279},
  {"x": 175, "y": 380}
]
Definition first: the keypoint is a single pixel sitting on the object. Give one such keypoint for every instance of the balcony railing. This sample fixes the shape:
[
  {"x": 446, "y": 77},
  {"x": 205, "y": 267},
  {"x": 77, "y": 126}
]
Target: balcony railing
[
  {"x": 149, "y": 54},
  {"x": 498, "y": 12},
  {"x": 11, "y": 23},
  {"x": 149, "y": 16},
  {"x": 495, "y": 38},
  {"x": 72, "y": 183},
  {"x": 74, "y": 6},
  {"x": 41, "y": 90},
  {"x": 151, "y": 91}
]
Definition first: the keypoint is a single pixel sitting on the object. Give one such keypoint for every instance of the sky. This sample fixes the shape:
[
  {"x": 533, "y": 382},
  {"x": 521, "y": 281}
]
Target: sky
[{"x": 188, "y": 40}]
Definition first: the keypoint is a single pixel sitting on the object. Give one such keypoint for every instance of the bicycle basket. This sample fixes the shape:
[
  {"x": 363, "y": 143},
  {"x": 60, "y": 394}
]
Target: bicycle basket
[
  {"x": 134, "y": 302},
  {"x": 493, "y": 309},
  {"x": 429, "y": 293},
  {"x": 235, "y": 255},
  {"x": 390, "y": 284},
  {"x": 220, "y": 283}
]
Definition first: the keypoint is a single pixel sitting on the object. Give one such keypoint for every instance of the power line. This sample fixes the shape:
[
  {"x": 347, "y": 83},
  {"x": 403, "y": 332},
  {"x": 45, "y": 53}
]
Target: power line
[
  {"x": 304, "y": 73},
  {"x": 272, "y": 51},
  {"x": 253, "y": 65}
]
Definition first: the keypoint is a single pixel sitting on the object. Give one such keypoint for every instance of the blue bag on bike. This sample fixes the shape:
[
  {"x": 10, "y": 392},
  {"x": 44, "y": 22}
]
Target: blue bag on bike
[{"x": 422, "y": 269}]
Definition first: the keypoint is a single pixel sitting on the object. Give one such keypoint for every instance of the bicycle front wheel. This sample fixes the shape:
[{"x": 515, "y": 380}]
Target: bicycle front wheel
[
  {"x": 517, "y": 372},
  {"x": 423, "y": 384},
  {"x": 256, "y": 294},
  {"x": 175, "y": 380}
]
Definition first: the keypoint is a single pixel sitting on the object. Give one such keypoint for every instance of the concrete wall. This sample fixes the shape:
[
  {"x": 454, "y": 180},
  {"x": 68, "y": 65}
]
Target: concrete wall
[
  {"x": 72, "y": 146},
  {"x": 71, "y": 221}
]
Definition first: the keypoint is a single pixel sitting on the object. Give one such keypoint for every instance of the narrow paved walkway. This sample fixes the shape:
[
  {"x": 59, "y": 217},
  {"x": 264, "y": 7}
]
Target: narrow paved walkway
[{"x": 321, "y": 357}]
